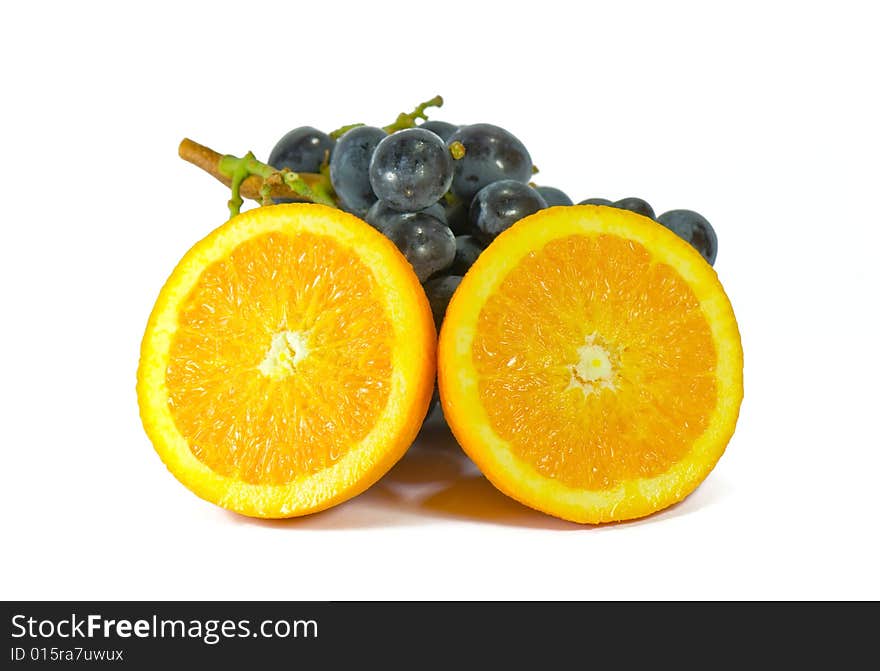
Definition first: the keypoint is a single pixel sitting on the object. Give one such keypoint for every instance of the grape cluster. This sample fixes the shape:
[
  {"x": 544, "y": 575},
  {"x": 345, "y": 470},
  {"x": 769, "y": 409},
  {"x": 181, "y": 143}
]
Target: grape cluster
[{"x": 443, "y": 192}]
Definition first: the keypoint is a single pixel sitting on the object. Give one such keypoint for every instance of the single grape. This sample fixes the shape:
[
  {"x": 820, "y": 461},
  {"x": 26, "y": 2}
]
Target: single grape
[
  {"x": 301, "y": 150},
  {"x": 693, "y": 228},
  {"x": 350, "y": 168},
  {"x": 636, "y": 205},
  {"x": 596, "y": 201},
  {"x": 426, "y": 243},
  {"x": 381, "y": 215},
  {"x": 490, "y": 154},
  {"x": 467, "y": 249},
  {"x": 441, "y": 128},
  {"x": 439, "y": 291},
  {"x": 499, "y": 205},
  {"x": 554, "y": 196},
  {"x": 411, "y": 169}
]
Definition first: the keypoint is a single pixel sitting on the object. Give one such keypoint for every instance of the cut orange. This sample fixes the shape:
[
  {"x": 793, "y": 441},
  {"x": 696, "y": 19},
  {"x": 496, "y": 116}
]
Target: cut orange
[
  {"x": 288, "y": 363},
  {"x": 590, "y": 364}
]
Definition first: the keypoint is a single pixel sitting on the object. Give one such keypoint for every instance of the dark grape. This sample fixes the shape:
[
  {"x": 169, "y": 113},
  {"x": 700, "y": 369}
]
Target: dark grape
[
  {"x": 411, "y": 169},
  {"x": 301, "y": 150},
  {"x": 381, "y": 215},
  {"x": 499, "y": 205},
  {"x": 554, "y": 196},
  {"x": 350, "y": 168},
  {"x": 596, "y": 201},
  {"x": 441, "y": 128},
  {"x": 426, "y": 243},
  {"x": 695, "y": 229},
  {"x": 467, "y": 249},
  {"x": 490, "y": 154},
  {"x": 636, "y": 205},
  {"x": 439, "y": 291}
]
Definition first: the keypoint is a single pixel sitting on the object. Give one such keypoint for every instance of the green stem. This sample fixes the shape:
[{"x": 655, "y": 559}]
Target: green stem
[
  {"x": 339, "y": 132},
  {"x": 320, "y": 192},
  {"x": 239, "y": 169},
  {"x": 409, "y": 120},
  {"x": 404, "y": 119}
]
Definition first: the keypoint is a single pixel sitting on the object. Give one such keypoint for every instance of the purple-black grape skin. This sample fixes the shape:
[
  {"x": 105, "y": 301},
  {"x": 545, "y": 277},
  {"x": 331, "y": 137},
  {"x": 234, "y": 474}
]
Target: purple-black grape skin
[
  {"x": 437, "y": 211},
  {"x": 636, "y": 205},
  {"x": 694, "y": 228},
  {"x": 439, "y": 291},
  {"x": 443, "y": 129},
  {"x": 457, "y": 216},
  {"x": 427, "y": 243},
  {"x": 554, "y": 196},
  {"x": 350, "y": 168},
  {"x": 381, "y": 215},
  {"x": 491, "y": 154},
  {"x": 500, "y": 205},
  {"x": 302, "y": 150},
  {"x": 411, "y": 169},
  {"x": 467, "y": 250}
]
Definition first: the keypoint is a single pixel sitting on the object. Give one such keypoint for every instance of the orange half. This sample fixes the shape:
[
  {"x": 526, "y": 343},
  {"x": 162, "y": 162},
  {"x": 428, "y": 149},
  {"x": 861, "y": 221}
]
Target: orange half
[
  {"x": 591, "y": 365},
  {"x": 288, "y": 362}
]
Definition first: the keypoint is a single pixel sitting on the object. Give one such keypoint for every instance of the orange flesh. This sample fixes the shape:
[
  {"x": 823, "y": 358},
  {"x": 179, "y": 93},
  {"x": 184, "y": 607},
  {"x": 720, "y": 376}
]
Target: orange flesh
[
  {"x": 268, "y": 429},
  {"x": 595, "y": 295}
]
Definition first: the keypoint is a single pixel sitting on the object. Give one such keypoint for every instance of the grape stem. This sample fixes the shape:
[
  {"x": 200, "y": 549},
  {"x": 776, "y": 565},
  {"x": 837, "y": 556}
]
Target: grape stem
[
  {"x": 409, "y": 120},
  {"x": 339, "y": 132},
  {"x": 250, "y": 178},
  {"x": 404, "y": 119}
]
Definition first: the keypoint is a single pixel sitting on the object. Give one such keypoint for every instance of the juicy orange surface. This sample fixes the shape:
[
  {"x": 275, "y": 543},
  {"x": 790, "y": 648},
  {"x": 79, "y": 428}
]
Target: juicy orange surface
[
  {"x": 526, "y": 351},
  {"x": 590, "y": 364},
  {"x": 288, "y": 362},
  {"x": 264, "y": 429}
]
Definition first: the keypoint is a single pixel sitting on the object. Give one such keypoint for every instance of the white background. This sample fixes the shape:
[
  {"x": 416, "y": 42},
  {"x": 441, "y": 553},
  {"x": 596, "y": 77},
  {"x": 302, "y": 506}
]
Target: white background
[{"x": 762, "y": 116}]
